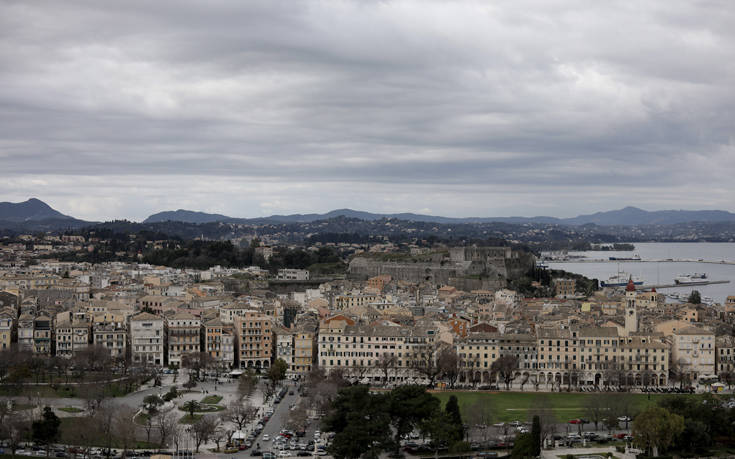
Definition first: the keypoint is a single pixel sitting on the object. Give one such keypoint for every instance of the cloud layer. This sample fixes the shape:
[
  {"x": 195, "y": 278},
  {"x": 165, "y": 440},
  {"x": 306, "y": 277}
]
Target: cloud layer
[{"x": 456, "y": 108}]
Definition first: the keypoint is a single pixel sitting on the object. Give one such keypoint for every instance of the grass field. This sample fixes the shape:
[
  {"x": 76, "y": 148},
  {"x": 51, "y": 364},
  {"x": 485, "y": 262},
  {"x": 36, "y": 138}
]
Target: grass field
[
  {"x": 189, "y": 419},
  {"x": 512, "y": 406},
  {"x": 211, "y": 399}
]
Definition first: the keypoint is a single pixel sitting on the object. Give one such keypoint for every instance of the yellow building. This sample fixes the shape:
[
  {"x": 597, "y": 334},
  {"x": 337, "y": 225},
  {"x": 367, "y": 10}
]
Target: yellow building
[{"x": 254, "y": 331}]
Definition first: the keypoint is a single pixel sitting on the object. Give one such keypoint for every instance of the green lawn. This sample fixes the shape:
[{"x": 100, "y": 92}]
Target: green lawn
[
  {"x": 211, "y": 399},
  {"x": 512, "y": 406}
]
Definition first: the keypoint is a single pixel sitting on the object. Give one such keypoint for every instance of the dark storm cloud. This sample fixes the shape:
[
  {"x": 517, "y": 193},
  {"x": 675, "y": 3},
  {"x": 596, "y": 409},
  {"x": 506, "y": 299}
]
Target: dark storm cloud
[{"x": 118, "y": 109}]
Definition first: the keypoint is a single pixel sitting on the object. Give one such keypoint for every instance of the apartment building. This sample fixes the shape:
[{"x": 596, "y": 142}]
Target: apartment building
[
  {"x": 725, "y": 355},
  {"x": 284, "y": 339},
  {"x": 147, "y": 339},
  {"x": 71, "y": 337},
  {"x": 376, "y": 353},
  {"x": 42, "y": 335},
  {"x": 113, "y": 336},
  {"x": 254, "y": 334},
  {"x": 7, "y": 319},
  {"x": 184, "y": 337},
  {"x": 351, "y": 301},
  {"x": 25, "y": 332},
  {"x": 219, "y": 342},
  {"x": 479, "y": 350},
  {"x": 293, "y": 274},
  {"x": 304, "y": 345},
  {"x": 693, "y": 352}
]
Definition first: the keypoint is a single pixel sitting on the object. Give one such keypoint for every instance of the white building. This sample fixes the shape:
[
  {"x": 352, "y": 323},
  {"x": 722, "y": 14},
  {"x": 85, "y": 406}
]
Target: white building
[
  {"x": 693, "y": 352},
  {"x": 147, "y": 339},
  {"x": 293, "y": 274}
]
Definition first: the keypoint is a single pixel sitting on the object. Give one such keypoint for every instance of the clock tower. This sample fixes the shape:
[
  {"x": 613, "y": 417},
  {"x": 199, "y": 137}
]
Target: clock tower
[{"x": 631, "y": 315}]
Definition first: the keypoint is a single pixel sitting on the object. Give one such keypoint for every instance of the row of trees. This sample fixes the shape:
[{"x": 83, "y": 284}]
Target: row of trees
[{"x": 367, "y": 424}]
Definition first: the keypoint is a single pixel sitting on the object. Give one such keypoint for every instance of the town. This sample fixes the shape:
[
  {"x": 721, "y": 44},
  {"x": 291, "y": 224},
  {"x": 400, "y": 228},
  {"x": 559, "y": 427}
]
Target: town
[{"x": 149, "y": 340}]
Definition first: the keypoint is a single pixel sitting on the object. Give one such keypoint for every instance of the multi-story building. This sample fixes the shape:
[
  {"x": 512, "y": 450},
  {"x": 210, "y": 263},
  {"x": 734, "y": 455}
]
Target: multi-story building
[
  {"x": 478, "y": 351},
  {"x": 147, "y": 339},
  {"x": 71, "y": 337},
  {"x": 378, "y": 353},
  {"x": 304, "y": 349},
  {"x": 254, "y": 334},
  {"x": 693, "y": 353},
  {"x": 42, "y": 335},
  {"x": 6, "y": 329},
  {"x": 184, "y": 337},
  {"x": 725, "y": 355},
  {"x": 113, "y": 336},
  {"x": 350, "y": 301},
  {"x": 25, "y": 332},
  {"x": 218, "y": 342},
  {"x": 565, "y": 288},
  {"x": 293, "y": 274},
  {"x": 285, "y": 347}
]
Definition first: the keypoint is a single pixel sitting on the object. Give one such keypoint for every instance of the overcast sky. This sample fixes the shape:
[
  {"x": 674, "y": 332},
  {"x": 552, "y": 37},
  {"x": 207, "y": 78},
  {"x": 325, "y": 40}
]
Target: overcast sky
[{"x": 121, "y": 109}]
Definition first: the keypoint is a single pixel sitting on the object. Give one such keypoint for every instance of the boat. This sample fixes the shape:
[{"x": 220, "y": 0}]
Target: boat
[
  {"x": 621, "y": 280},
  {"x": 691, "y": 279},
  {"x": 635, "y": 257}
]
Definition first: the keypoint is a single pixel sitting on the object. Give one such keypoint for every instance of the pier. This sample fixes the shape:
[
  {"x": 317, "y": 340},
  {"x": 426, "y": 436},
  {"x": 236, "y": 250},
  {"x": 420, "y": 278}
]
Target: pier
[
  {"x": 690, "y": 284},
  {"x": 663, "y": 260}
]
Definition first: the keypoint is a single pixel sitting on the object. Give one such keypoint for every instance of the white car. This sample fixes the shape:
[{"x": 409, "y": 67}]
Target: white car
[
  {"x": 284, "y": 453},
  {"x": 266, "y": 437}
]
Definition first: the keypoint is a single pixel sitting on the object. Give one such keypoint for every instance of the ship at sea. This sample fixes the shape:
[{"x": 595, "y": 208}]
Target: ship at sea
[
  {"x": 621, "y": 280},
  {"x": 635, "y": 257},
  {"x": 691, "y": 279}
]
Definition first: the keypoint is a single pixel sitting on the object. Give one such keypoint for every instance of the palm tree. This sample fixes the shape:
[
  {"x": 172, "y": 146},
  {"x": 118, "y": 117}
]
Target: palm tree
[{"x": 191, "y": 406}]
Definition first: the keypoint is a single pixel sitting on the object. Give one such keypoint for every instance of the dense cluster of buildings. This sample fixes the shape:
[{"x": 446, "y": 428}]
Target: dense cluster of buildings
[{"x": 378, "y": 330}]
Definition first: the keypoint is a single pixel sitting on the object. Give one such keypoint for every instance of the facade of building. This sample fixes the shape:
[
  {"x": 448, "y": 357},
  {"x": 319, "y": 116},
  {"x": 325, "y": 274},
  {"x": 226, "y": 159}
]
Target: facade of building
[
  {"x": 184, "y": 337},
  {"x": 113, "y": 337},
  {"x": 147, "y": 339},
  {"x": 71, "y": 337},
  {"x": 725, "y": 355},
  {"x": 6, "y": 329},
  {"x": 693, "y": 353},
  {"x": 254, "y": 334},
  {"x": 42, "y": 335},
  {"x": 218, "y": 342}
]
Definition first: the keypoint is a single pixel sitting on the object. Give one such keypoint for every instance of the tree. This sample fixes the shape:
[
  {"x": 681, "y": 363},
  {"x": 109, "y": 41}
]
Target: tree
[
  {"x": 124, "y": 428},
  {"x": 203, "y": 429},
  {"x": 151, "y": 404},
  {"x": 46, "y": 430},
  {"x": 246, "y": 384},
  {"x": 409, "y": 406},
  {"x": 361, "y": 423},
  {"x": 385, "y": 363},
  {"x": 595, "y": 408},
  {"x": 505, "y": 367},
  {"x": 166, "y": 424},
  {"x": 536, "y": 436},
  {"x": 277, "y": 373},
  {"x": 448, "y": 362},
  {"x": 695, "y": 297},
  {"x": 191, "y": 406},
  {"x": 545, "y": 412},
  {"x": 452, "y": 409},
  {"x": 523, "y": 447},
  {"x": 480, "y": 415},
  {"x": 240, "y": 413},
  {"x": 656, "y": 428},
  {"x": 423, "y": 361},
  {"x": 437, "y": 428}
]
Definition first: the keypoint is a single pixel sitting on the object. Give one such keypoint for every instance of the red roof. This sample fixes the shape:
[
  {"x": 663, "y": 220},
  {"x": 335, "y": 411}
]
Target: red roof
[
  {"x": 631, "y": 286},
  {"x": 653, "y": 290}
]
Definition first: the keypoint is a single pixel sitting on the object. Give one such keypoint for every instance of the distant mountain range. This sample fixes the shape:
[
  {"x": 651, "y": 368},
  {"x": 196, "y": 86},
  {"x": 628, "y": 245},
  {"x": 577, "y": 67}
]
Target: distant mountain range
[
  {"x": 627, "y": 216},
  {"x": 34, "y": 214}
]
